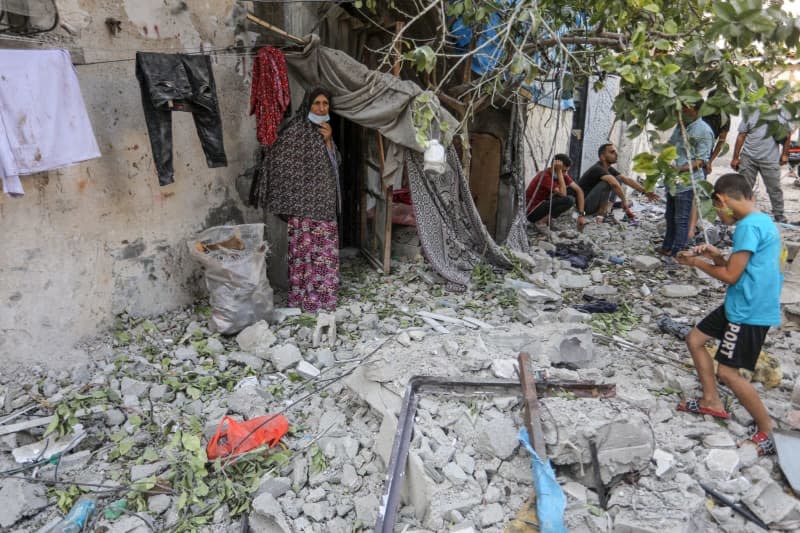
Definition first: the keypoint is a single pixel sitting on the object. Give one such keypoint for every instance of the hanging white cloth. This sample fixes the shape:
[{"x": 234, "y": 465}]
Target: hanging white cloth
[{"x": 43, "y": 120}]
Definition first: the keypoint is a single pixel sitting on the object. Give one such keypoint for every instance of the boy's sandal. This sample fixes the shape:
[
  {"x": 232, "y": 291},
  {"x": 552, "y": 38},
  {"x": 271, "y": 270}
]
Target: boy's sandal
[
  {"x": 692, "y": 405},
  {"x": 763, "y": 443}
]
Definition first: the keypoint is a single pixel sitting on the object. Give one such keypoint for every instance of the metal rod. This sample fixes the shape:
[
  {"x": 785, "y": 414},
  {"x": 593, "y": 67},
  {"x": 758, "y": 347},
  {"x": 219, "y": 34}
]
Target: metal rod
[
  {"x": 533, "y": 423},
  {"x": 743, "y": 511},
  {"x": 387, "y": 513}
]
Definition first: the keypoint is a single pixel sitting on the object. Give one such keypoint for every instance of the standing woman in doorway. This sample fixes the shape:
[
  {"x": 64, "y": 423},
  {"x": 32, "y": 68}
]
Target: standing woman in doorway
[{"x": 299, "y": 181}]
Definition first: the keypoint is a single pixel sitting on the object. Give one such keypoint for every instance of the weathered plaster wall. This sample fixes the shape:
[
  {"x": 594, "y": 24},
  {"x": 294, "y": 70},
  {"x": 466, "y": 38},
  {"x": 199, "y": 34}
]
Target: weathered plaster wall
[{"x": 93, "y": 240}]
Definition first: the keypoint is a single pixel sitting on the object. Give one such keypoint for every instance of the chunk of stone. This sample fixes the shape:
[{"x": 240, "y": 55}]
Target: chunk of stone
[
  {"x": 277, "y": 486},
  {"x": 142, "y": 471},
  {"x": 318, "y": 511},
  {"x": 492, "y": 514},
  {"x": 19, "y": 499},
  {"x": 299, "y": 473},
  {"x": 644, "y": 262},
  {"x": 367, "y": 509},
  {"x": 132, "y": 387},
  {"x": 571, "y": 315},
  {"x": 246, "y": 359},
  {"x": 158, "y": 503},
  {"x": 723, "y": 461},
  {"x": 504, "y": 368},
  {"x": 496, "y": 436},
  {"x": 719, "y": 440},
  {"x": 537, "y": 296},
  {"x": 567, "y": 343},
  {"x": 455, "y": 474},
  {"x": 770, "y": 503},
  {"x": 267, "y": 515},
  {"x": 256, "y": 339},
  {"x": 186, "y": 353},
  {"x": 404, "y": 339},
  {"x": 601, "y": 291},
  {"x": 568, "y": 280},
  {"x": 419, "y": 487},
  {"x": 597, "y": 275},
  {"x": 350, "y": 478},
  {"x": 285, "y": 356},
  {"x": 214, "y": 346},
  {"x": 664, "y": 462},
  {"x": 623, "y": 445},
  {"x": 680, "y": 291},
  {"x": 307, "y": 370}
]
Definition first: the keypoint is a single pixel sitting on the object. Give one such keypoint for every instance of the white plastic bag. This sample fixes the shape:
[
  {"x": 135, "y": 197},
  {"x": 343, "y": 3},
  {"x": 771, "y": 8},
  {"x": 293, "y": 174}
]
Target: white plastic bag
[{"x": 234, "y": 260}]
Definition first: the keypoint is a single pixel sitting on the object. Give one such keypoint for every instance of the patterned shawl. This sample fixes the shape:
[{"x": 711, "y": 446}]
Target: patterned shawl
[{"x": 297, "y": 176}]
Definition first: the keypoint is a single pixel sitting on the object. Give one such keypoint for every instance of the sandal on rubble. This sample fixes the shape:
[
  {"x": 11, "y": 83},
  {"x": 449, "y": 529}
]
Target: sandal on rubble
[
  {"x": 763, "y": 443},
  {"x": 692, "y": 405}
]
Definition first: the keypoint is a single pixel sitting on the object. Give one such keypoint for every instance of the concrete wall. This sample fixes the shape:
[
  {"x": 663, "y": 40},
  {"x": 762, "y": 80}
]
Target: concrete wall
[{"x": 93, "y": 240}]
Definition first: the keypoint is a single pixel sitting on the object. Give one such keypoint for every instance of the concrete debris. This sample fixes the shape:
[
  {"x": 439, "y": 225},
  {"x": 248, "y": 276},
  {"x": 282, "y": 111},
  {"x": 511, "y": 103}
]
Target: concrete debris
[
  {"x": 285, "y": 356},
  {"x": 154, "y": 377},
  {"x": 680, "y": 291},
  {"x": 256, "y": 339},
  {"x": 623, "y": 446},
  {"x": 19, "y": 499}
]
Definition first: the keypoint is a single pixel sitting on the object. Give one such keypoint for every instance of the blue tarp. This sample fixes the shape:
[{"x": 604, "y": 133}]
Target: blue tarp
[{"x": 550, "y": 499}]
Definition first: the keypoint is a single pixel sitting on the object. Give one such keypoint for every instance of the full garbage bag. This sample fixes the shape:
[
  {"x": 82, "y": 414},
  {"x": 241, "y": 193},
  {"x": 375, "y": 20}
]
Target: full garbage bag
[{"x": 234, "y": 259}]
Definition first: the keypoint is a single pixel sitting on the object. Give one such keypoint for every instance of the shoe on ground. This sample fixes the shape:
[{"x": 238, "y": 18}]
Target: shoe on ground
[{"x": 780, "y": 219}]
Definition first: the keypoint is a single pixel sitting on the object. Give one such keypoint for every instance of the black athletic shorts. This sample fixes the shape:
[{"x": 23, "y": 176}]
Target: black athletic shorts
[{"x": 739, "y": 344}]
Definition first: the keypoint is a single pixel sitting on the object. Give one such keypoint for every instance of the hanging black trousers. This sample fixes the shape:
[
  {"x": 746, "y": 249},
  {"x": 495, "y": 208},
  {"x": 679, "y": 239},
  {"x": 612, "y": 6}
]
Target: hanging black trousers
[{"x": 179, "y": 82}]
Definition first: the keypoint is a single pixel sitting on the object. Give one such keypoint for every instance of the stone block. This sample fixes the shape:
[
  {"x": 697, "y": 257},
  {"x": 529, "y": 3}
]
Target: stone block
[
  {"x": 770, "y": 503},
  {"x": 568, "y": 280},
  {"x": 569, "y": 315},
  {"x": 680, "y": 291},
  {"x": 496, "y": 436},
  {"x": 285, "y": 356},
  {"x": 623, "y": 445},
  {"x": 307, "y": 370},
  {"x": 267, "y": 515},
  {"x": 418, "y": 488},
  {"x": 723, "y": 461},
  {"x": 19, "y": 499},
  {"x": 645, "y": 263},
  {"x": 256, "y": 339}
]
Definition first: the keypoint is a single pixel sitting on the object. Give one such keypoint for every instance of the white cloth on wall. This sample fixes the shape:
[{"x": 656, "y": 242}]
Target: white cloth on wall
[{"x": 43, "y": 120}]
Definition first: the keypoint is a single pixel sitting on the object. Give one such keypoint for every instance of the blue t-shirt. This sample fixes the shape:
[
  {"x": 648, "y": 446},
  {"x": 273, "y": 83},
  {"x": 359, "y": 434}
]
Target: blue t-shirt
[{"x": 755, "y": 299}]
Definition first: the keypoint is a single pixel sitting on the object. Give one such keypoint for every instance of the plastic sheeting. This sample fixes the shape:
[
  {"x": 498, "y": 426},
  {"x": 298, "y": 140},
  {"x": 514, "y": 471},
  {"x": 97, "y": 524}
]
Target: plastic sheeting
[{"x": 550, "y": 499}]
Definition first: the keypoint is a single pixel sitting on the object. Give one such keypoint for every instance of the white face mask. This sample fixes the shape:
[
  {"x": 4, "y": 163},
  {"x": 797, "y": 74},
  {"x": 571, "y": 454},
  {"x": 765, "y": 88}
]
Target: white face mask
[{"x": 318, "y": 119}]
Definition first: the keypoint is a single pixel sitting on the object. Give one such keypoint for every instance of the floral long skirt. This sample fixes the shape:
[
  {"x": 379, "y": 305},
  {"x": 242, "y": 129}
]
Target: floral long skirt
[{"x": 313, "y": 263}]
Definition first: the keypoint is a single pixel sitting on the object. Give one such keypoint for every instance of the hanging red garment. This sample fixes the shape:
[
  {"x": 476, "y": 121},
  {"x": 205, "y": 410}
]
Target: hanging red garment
[{"x": 269, "y": 95}]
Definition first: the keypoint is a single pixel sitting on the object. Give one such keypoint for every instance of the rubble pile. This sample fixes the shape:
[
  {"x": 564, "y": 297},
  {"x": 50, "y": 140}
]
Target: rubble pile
[{"x": 129, "y": 428}]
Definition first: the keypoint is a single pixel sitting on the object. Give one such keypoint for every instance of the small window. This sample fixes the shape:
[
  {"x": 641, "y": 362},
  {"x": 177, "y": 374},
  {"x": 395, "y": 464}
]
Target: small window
[{"x": 26, "y": 17}]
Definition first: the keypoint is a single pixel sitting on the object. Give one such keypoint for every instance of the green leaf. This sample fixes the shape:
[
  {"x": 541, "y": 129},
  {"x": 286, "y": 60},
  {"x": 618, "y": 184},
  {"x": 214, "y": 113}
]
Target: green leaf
[
  {"x": 670, "y": 27},
  {"x": 669, "y": 69},
  {"x": 193, "y": 392},
  {"x": 652, "y": 8},
  {"x": 126, "y": 445},
  {"x": 190, "y": 442}
]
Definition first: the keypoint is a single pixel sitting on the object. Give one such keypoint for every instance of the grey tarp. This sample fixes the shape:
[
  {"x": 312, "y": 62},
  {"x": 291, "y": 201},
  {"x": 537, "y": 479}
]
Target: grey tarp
[
  {"x": 449, "y": 226},
  {"x": 451, "y": 232},
  {"x": 373, "y": 99}
]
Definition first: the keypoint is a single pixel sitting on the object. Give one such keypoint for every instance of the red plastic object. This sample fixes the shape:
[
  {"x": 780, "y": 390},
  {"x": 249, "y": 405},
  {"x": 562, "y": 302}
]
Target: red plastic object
[{"x": 239, "y": 437}]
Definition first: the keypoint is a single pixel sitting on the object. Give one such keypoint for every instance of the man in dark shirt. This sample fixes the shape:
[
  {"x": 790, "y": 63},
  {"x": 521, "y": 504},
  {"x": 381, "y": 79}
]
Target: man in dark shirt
[
  {"x": 547, "y": 196},
  {"x": 602, "y": 182}
]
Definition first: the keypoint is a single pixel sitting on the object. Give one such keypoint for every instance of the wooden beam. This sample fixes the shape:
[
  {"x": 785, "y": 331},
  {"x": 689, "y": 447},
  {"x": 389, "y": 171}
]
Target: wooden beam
[
  {"x": 274, "y": 29},
  {"x": 533, "y": 422}
]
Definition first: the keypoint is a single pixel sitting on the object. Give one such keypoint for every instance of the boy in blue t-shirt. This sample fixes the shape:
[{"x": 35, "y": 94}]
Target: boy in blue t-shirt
[{"x": 752, "y": 304}]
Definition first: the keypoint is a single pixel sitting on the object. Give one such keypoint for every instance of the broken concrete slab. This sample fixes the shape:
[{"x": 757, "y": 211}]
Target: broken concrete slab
[
  {"x": 20, "y": 499},
  {"x": 307, "y": 370},
  {"x": 770, "y": 503},
  {"x": 623, "y": 445},
  {"x": 679, "y": 291},
  {"x": 569, "y": 280},
  {"x": 256, "y": 339},
  {"x": 267, "y": 515},
  {"x": 645, "y": 263},
  {"x": 723, "y": 461},
  {"x": 285, "y": 356}
]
